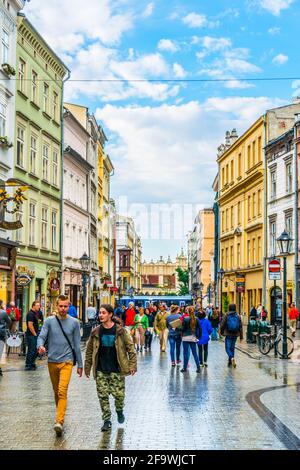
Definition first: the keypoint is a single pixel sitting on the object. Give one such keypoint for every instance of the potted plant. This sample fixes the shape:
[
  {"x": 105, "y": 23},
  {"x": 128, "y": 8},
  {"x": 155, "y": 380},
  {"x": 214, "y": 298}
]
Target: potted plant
[
  {"x": 4, "y": 142},
  {"x": 8, "y": 69}
]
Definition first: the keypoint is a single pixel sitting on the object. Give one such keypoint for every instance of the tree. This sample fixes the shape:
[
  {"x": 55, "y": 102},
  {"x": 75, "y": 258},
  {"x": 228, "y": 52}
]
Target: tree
[{"x": 183, "y": 279}]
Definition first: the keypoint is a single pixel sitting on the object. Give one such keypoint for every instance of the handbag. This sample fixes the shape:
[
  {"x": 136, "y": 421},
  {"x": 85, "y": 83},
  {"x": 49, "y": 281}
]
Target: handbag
[{"x": 73, "y": 350}]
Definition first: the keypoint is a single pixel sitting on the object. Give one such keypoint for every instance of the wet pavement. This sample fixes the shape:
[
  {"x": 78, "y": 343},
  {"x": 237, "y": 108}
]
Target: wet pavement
[{"x": 255, "y": 406}]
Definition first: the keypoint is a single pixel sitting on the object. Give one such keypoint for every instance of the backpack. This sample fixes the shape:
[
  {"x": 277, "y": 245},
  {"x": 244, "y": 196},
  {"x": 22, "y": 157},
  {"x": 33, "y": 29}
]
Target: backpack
[{"x": 233, "y": 323}]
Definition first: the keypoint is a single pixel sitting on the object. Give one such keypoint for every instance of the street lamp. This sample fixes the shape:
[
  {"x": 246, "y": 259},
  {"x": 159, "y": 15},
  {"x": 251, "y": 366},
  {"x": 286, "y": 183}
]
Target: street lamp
[
  {"x": 85, "y": 266},
  {"x": 221, "y": 274},
  {"x": 201, "y": 285},
  {"x": 285, "y": 246}
]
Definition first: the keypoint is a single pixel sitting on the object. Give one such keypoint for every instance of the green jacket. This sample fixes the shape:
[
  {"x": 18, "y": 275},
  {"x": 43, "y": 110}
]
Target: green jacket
[
  {"x": 160, "y": 322},
  {"x": 124, "y": 346},
  {"x": 144, "y": 322}
]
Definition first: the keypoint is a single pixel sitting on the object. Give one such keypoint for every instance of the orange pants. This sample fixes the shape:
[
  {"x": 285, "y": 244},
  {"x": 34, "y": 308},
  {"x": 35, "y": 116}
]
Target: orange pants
[{"x": 60, "y": 375}]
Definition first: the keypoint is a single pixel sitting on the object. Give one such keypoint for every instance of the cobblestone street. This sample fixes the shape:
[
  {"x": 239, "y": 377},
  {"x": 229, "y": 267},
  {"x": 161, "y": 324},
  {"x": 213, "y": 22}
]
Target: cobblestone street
[{"x": 255, "y": 406}]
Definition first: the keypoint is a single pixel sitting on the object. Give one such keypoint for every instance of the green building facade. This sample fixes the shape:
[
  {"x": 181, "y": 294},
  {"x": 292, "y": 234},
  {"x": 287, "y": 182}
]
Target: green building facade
[{"x": 38, "y": 164}]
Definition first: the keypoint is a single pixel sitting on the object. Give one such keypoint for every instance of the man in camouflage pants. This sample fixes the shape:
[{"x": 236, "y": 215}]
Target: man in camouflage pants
[{"x": 110, "y": 351}]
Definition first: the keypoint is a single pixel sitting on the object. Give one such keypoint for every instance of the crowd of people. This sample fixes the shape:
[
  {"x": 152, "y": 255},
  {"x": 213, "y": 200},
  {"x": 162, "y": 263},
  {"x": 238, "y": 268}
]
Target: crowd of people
[{"x": 117, "y": 336}]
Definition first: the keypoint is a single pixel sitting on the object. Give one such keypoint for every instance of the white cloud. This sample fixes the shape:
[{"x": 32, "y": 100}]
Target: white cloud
[
  {"x": 167, "y": 45},
  {"x": 148, "y": 10},
  {"x": 280, "y": 59},
  {"x": 179, "y": 71},
  {"x": 275, "y": 6},
  {"x": 274, "y": 31},
  {"x": 194, "y": 20}
]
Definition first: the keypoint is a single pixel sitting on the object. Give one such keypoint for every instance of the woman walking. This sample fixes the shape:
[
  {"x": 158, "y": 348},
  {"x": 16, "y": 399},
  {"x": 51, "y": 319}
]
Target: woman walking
[
  {"x": 174, "y": 334},
  {"x": 215, "y": 321},
  {"x": 140, "y": 326},
  {"x": 149, "y": 331},
  {"x": 206, "y": 328},
  {"x": 191, "y": 333}
]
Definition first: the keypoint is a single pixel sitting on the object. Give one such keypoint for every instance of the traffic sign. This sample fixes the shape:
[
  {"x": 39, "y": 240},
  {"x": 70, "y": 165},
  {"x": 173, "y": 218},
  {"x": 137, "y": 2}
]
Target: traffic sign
[{"x": 274, "y": 270}]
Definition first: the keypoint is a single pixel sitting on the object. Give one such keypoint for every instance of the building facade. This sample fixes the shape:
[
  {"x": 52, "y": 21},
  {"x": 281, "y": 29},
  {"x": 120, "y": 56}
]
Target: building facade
[
  {"x": 8, "y": 27},
  {"x": 38, "y": 163},
  {"x": 160, "y": 277}
]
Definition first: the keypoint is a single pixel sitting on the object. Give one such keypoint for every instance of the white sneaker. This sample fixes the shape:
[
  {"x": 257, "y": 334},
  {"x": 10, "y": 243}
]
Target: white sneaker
[{"x": 58, "y": 429}]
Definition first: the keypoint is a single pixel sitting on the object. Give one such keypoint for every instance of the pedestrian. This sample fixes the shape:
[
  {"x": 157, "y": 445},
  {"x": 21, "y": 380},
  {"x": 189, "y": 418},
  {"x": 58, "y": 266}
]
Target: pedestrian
[
  {"x": 264, "y": 314},
  {"x": 62, "y": 334},
  {"x": 5, "y": 324},
  {"x": 160, "y": 325},
  {"x": 208, "y": 311},
  {"x": 293, "y": 317},
  {"x": 232, "y": 328},
  {"x": 129, "y": 316},
  {"x": 140, "y": 326},
  {"x": 191, "y": 333},
  {"x": 32, "y": 333},
  {"x": 215, "y": 321},
  {"x": 258, "y": 311},
  {"x": 207, "y": 329},
  {"x": 110, "y": 353},
  {"x": 72, "y": 311},
  {"x": 14, "y": 314},
  {"x": 91, "y": 313},
  {"x": 149, "y": 332},
  {"x": 118, "y": 312},
  {"x": 253, "y": 313},
  {"x": 174, "y": 337}
]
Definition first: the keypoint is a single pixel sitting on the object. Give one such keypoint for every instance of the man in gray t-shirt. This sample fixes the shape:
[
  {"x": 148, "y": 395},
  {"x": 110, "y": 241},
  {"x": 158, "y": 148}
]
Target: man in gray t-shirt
[{"x": 61, "y": 355}]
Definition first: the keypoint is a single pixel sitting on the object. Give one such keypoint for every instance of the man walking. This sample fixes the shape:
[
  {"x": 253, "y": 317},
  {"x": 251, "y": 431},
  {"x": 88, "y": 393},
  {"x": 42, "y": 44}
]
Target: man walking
[
  {"x": 72, "y": 311},
  {"x": 32, "y": 333},
  {"x": 231, "y": 328},
  {"x": 91, "y": 313},
  {"x": 5, "y": 323},
  {"x": 160, "y": 324},
  {"x": 110, "y": 352},
  {"x": 293, "y": 316},
  {"x": 62, "y": 334}
]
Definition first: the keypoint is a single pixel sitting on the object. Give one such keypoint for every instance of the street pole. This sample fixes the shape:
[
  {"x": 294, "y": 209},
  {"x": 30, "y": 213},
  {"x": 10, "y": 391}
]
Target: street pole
[
  {"x": 221, "y": 293},
  {"x": 239, "y": 303},
  {"x": 274, "y": 316},
  {"x": 284, "y": 324},
  {"x": 84, "y": 283}
]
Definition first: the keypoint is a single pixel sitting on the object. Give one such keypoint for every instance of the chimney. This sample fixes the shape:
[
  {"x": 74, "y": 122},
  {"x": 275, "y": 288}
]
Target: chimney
[
  {"x": 233, "y": 136},
  {"x": 296, "y": 99},
  {"x": 227, "y": 139}
]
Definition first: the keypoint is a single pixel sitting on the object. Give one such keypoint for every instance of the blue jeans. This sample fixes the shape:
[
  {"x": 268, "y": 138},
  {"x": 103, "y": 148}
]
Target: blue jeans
[
  {"x": 175, "y": 341},
  {"x": 31, "y": 351},
  {"x": 214, "y": 335},
  {"x": 187, "y": 345},
  {"x": 230, "y": 345}
]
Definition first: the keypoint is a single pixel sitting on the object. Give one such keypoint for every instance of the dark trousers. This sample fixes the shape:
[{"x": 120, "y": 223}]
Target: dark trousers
[
  {"x": 230, "y": 345},
  {"x": 187, "y": 345},
  {"x": 31, "y": 350},
  {"x": 201, "y": 348},
  {"x": 148, "y": 340},
  {"x": 175, "y": 342}
]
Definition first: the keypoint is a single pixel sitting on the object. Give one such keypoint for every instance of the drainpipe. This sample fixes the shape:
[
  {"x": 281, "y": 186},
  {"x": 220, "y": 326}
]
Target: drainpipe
[
  {"x": 61, "y": 241},
  {"x": 296, "y": 291},
  {"x": 265, "y": 230},
  {"x": 108, "y": 260}
]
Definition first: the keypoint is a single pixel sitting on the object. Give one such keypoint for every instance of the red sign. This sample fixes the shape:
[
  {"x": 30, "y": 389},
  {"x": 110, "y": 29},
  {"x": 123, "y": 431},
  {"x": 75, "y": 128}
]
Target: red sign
[{"x": 274, "y": 266}]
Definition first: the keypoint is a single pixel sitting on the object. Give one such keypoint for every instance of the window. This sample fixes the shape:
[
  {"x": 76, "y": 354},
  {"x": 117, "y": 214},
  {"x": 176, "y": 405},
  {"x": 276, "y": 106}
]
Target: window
[
  {"x": 34, "y": 85},
  {"x": 253, "y": 152},
  {"x": 227, "y": 260},
  {"x": 33, "y": 147},
  {"x": 273, "y": 184},
  {"x": 227, "y": 174},
  {"x": 248, "y": 253},
  {"x": 223, "y": 177},
  {"x": 45, "y": 162},
  {"x": 19, "y": 217},
  {"x": 259, "y": 202},
  {"x": 223, "y": 224},
  {"x": 254, "y": 251},
  {"x": 22, "y": 67},
  {"x": 227, "y": 222},
  {"x": 238, "y": 255},
  {"x": 273, "y": 238},
  {"x": 32, "y": 219},
  {"x": 239, "y": 164},
  {"x": 289, "y": 178},
  {"x": 20, "y": 146},
  {"x": 55, "y": 168},
  {"x": 231, "y": 257},
  {"x": 222, "y": 258},
  {"x": 289, "y": 225},
  {"x": 259, "y": 148},
  {"x": 249, "y": 157},
  {"x": 55, "y": 106},
  {"x": 44, "y": 227},
  {"x": 5, "y": 47},
  {"x": 254, "y": 205},
  {"x": 249, "y": 207},
  {"x": 232, "y": 216},
  {"x": 3, "y": 110},
  {"x": 259, "y": 259},
  {"x": 239, "y": 213},
  {"x": 54, "y": 230},
  {"x": 46, "y": 98},
  {"x": 231, "y": 171}
]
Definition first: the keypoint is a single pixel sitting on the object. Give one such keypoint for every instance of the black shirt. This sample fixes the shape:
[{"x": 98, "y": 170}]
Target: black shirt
[
  {"x": 107, "y": 356},
  {"x": 31, "y": 316}
]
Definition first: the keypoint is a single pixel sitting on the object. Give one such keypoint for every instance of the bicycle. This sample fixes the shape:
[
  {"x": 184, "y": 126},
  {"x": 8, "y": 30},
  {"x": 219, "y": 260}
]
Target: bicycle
[{"x": 268, "y": 341}]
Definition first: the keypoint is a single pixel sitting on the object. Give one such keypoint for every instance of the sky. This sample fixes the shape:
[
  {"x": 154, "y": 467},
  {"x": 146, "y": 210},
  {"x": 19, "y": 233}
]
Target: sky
[{"x": 163, "y": 136}]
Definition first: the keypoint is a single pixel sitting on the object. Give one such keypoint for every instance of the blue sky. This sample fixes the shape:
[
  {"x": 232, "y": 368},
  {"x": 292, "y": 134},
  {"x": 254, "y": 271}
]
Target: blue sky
[{"x": 163, "y": 137}]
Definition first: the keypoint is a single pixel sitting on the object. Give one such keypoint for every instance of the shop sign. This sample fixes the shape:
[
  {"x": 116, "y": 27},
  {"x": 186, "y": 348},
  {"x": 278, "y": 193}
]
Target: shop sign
[
  {"x": 25, "y": 270},
  {"x": 11, "y": 225},
  {"x": 54, "y": 284},
  {"x": 240, "y": 283},
  {"x": 23, "y": 280}
]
